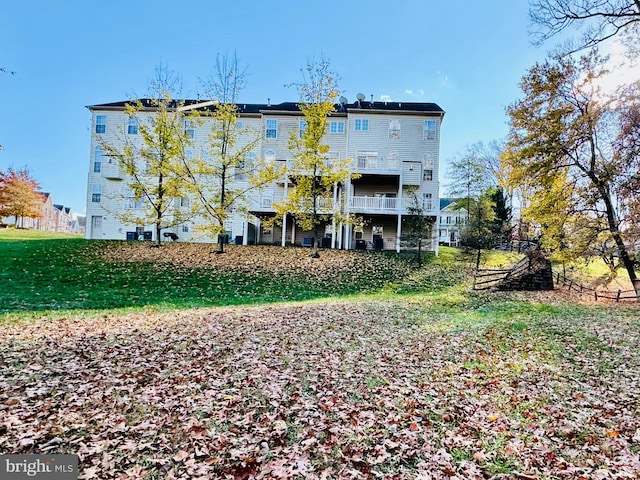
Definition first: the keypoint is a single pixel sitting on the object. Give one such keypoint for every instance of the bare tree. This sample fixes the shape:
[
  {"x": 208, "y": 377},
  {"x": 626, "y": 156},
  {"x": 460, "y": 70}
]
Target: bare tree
[{"x": 594, "y": 20}]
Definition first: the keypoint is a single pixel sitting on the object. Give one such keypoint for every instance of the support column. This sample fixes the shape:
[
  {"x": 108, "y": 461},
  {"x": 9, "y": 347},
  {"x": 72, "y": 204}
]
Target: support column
[
  {"x": 398, "y": 232},
  {"x": 284, "y": 229},
  {"x": 333, "y": 216},
  {"x": 293, "y": 232},
  {"x": 245, "y": 232},
  {"x": 400, "y": 212}
]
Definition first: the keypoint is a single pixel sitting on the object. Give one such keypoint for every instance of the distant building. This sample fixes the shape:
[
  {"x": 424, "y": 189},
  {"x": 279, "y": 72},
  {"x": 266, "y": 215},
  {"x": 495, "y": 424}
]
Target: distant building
[
  {"x": 53, "y": 218},
  {"x": 453, "y": 218},
  {"x": 394, "y": 147}
]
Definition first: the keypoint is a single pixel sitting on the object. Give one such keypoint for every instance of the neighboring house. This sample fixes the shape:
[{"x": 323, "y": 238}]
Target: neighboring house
[
  {"x": 64, "y": 219},
  {"x": 394, "y": 147},
  {"x": 453, "y": 218},
  {"x": 54, "y": 218}
]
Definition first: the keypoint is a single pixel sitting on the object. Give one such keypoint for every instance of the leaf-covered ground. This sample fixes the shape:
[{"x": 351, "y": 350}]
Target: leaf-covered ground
[{"x": 466, "y": 387}]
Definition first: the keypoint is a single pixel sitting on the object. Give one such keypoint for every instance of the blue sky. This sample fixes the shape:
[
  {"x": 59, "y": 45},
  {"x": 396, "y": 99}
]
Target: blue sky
[{"x": 467, "y": 56}]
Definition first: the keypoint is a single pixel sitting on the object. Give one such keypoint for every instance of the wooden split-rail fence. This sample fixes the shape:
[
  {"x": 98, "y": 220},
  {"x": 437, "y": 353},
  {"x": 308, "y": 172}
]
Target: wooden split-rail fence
[
  {"x": 562, "y": 280},
  {"x": 487, "y": 278}
]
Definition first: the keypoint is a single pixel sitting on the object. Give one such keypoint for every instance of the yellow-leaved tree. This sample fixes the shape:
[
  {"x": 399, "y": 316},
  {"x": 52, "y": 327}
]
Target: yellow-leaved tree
[{"x": 314, "y": 176}]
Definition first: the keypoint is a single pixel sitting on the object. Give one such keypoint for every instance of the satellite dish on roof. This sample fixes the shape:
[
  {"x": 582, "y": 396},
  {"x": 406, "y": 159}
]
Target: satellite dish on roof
[
  {"x": 360, "y": 97},
  {"x": 343, "y": 100}
]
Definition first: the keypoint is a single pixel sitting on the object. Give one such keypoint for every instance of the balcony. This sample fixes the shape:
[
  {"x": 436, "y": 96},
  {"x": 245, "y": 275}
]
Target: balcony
[
  {"x": 376, "y": 164},
  {"x": 265, "y": 203},
  {"x": 385, "y": 205},
  {"x": 111, "y": 170},
  {"x": 356, "y": 204}
]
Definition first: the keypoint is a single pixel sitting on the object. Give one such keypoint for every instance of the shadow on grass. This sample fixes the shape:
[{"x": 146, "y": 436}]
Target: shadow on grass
[{"x": 73, "y": 274}]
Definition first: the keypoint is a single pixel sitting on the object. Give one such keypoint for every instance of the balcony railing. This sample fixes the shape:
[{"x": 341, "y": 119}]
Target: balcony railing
[
  {"x": 266, "y": 202},
  {"x": 368, "y": 164},
  {"x": 366, "y": 204},
  {"x": 356, "y": 204}
]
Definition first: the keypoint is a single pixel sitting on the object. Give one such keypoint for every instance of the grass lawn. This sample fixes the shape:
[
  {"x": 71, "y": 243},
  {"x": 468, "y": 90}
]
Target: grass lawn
[
  {"x": 55, "y": 275},
  {"x": 410, "y": 376}
]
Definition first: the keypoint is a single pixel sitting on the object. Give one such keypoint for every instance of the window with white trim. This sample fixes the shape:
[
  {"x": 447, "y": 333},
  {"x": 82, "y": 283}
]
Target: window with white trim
[
  {"x": 185, "y": 228},
  {"x": 132, "y": 126},
  {"x": 394, "y": 129},
  {"x": 393, "y": 160},
  {"x": 270, "y": 155},
  {"x": 427, "y": 201},
  {"x": 97, "y": 159},
  {"x": 271, "y": 129},
  {"x": 336, "y": 127},
  {"x": 101, "y": 123},
  {"x": 427, "y": 175},
  {"x": 131, "y": 202},
  {"x": 302, "y": 127},
  {"x": 96, "y": 193},
  {"x": 428, "y": 161},
  {"x": 189, "y": 129},
  {"x": 239, "y": 125},
  {"x": 361, "y": 125},
  {"x": 429, "y": 130},
  {"x": 185, "y": 201}
]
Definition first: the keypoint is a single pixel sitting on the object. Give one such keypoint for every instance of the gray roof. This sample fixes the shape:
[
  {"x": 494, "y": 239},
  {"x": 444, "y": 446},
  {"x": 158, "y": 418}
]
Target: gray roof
[
  {"x": 354, "y": 107},
  {"x": 445, "y": 202}
]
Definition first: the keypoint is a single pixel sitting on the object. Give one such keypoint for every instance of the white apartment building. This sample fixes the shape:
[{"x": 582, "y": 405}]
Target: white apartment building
[{"x": 393, "y": 146}]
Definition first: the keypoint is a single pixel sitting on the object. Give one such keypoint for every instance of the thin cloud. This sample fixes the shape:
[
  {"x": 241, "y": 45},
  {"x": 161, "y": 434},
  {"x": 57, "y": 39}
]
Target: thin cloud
[{"x": 415, "y": 93}]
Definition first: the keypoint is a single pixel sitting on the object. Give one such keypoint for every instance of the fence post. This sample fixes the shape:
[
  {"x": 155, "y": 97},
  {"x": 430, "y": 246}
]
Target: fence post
[
  {"x": 618, "y": 297},
  {"x": 595, "y": 294}
]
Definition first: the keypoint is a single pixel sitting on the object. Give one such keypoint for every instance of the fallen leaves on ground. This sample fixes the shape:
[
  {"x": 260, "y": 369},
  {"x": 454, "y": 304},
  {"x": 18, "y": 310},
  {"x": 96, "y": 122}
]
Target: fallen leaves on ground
[{"x": 343, "y": 390}]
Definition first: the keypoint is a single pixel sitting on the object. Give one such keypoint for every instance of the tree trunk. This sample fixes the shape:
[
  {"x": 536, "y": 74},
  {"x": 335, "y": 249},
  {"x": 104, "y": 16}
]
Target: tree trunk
[
  {"x": 314, "y": 248},
  {"x": 612, "y": 223}
]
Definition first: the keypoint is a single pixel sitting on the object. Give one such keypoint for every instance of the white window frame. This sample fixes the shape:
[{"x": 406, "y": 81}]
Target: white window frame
[
  {"x": 271, "y": 128},
  {"x": 96, "y": 193},
  {"x": 189, "y": 129},
  {"x": 427, "y": 175},
  {"x": 429, "y": 130},
  {"x": 132, "y": 126},
  {"x": 101, "y": 124},
  {"x": 394, "y": 129},
  {"x": 337, "y": 127},
  {"x": 130, "y": 200},
  {"x": 302, "y": 126},
  {"x": 361, "y": 125},
  {"x": 270, "y": 155},
  {"x": 427, "y": 201},
  {"x": 428, "y": 161},
  {"x": 98, "y": 155}
]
